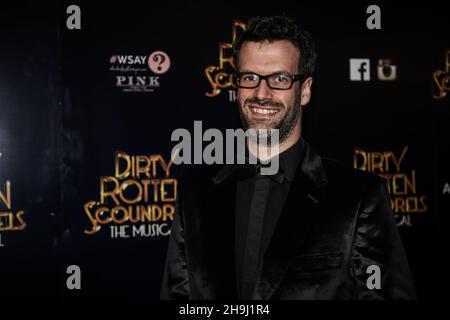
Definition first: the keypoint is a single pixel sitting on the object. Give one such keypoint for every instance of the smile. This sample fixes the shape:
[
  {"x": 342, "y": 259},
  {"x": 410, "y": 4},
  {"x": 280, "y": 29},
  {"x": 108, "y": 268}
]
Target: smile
[{"x": 263, "y": 111}]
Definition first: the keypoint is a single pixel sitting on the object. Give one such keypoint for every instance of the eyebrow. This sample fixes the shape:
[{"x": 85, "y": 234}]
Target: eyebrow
[{"x": 276, "y": 72}]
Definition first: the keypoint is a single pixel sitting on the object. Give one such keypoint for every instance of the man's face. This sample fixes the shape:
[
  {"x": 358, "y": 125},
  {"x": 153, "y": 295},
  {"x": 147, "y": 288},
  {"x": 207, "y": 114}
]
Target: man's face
[{"x": 263, "y": 107}]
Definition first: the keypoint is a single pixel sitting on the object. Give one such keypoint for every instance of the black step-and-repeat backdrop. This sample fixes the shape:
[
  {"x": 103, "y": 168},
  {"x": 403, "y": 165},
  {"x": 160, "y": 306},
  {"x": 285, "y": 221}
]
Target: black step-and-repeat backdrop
[{"x": 86, "y": 116}]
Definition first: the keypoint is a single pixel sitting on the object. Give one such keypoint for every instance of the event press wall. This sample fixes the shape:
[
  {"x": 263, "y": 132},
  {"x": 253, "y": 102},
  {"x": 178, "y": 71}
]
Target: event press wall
[{"x": 81, "y": 110}]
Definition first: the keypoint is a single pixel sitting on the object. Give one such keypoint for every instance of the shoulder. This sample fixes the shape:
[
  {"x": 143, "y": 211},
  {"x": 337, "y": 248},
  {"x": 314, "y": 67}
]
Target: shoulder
[
  {"x": 366, "y": 194},
  {"x": 199, "y": 176},
  {"x": 347, "y": 179},
  {"x": 368, "y": 191}
]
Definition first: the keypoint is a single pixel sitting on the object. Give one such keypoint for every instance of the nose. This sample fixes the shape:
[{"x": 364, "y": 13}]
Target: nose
[{"x": 263, "y": 91}]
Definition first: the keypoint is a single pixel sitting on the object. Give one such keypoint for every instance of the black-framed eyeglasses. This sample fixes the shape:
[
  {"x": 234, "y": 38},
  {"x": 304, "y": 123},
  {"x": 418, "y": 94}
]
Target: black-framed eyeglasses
[{"x": 277, "y": 81}]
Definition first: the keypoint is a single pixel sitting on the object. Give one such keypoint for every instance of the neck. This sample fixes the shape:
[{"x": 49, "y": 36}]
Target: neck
[{"x": 265, "y": 152}]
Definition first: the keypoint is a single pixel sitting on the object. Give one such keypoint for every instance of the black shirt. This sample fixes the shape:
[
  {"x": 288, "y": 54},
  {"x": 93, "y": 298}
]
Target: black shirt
[{"x": 259, "y": 202}]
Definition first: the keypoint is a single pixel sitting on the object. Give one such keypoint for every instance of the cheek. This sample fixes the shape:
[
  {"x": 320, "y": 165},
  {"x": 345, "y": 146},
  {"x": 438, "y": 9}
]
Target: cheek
[
  {"x": 286, "y": 98},
  {"x": 243, "y": 95}
]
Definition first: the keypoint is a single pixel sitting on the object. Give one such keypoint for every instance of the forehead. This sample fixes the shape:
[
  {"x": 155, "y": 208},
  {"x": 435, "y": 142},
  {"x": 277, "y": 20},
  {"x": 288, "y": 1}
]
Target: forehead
[{"x": 268, "y": 57}]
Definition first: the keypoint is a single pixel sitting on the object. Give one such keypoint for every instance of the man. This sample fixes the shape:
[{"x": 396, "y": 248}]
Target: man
[{"x": 314, "y": 230}]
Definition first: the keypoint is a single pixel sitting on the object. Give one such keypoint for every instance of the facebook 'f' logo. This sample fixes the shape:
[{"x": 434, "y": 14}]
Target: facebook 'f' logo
[{"x": 359, "y": 69}]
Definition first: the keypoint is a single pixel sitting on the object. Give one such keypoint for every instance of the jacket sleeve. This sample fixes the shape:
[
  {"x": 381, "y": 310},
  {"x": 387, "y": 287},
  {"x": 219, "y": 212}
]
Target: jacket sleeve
[
  {"x": 175, "y": 283},
  {"x": 377, "y": 242}
]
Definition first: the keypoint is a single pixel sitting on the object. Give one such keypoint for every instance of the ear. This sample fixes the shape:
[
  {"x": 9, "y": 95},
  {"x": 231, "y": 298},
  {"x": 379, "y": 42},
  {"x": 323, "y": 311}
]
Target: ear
[{"x": 305, "y": 91}]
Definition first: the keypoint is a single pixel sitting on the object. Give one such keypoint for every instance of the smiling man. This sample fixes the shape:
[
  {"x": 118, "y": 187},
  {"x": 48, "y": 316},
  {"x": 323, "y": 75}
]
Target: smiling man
[{"x": 313, "y": 230}]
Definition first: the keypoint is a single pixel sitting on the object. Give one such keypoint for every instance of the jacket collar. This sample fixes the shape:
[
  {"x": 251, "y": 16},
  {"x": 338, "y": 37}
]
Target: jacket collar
[{"x": 310, "y": 165}]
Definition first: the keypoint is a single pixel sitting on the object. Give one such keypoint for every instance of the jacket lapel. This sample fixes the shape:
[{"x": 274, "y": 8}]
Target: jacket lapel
[
  {"x": 293, "y": 225},
  {"x": 217, "y": 235}
]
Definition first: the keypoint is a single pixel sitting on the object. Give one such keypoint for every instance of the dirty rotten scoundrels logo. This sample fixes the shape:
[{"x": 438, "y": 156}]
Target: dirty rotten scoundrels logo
[
  {"x": 406, "y": 199},
  {"x": 137, "y": 201},
  {"x": 10, "y": 219},
  {"x": 220, "y": 76}
]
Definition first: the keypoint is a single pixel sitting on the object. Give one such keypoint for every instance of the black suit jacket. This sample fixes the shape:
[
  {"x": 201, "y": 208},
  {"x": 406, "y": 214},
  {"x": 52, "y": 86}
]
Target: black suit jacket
[{"x": 336, "y": 222}]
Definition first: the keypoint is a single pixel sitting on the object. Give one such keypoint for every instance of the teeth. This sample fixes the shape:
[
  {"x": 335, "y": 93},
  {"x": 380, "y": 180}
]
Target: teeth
[{"x": 264, "y": 111}]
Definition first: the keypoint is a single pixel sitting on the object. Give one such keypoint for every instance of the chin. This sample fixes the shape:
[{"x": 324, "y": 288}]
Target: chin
[
  {"x": 262, "y": 124},
  {"x": 262, "y": 127}
]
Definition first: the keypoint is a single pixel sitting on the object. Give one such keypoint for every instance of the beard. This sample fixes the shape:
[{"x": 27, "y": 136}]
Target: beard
[{"x": 285, "y": 125}]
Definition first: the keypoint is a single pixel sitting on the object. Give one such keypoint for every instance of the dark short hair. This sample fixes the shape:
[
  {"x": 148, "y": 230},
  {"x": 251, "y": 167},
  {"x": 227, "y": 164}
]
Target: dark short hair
[{"x": 280, "y": 28}]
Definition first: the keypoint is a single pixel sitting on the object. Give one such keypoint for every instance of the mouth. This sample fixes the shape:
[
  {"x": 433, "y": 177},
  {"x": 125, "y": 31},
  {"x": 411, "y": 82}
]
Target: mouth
[{"x": 263, "y": 112}]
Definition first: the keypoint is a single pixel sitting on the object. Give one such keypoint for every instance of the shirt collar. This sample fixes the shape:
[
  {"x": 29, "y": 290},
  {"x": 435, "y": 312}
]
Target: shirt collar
[{"x": 289, "y": 162}]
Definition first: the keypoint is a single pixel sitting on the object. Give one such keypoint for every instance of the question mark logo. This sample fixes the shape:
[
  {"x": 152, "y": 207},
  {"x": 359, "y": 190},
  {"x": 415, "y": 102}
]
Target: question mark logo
[{"x": 159, "y": 62}]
